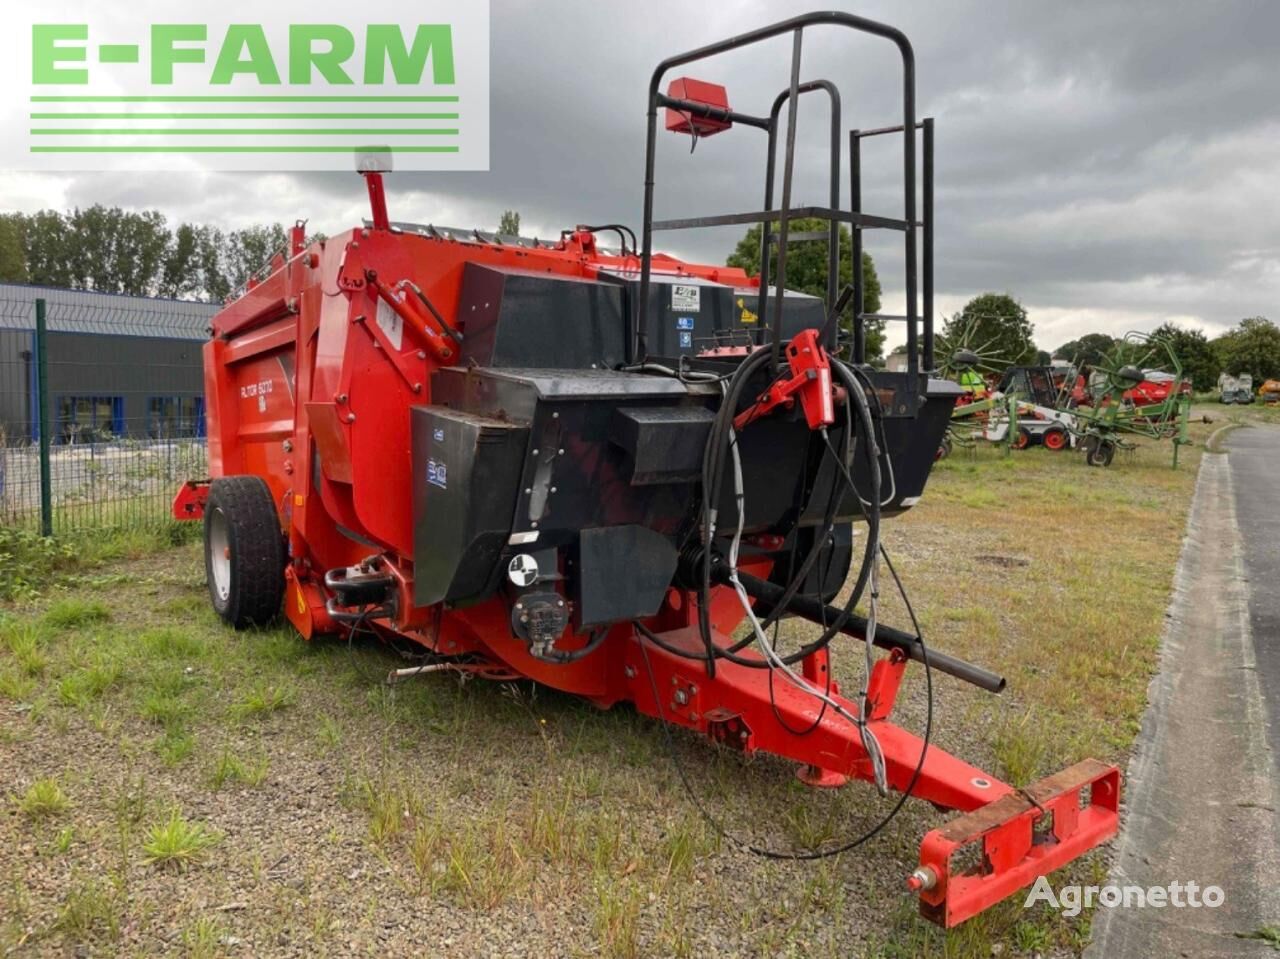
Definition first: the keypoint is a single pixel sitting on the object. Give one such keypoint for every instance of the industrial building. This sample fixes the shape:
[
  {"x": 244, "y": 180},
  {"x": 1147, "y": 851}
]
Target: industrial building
[{"x": 118, "y": 366}]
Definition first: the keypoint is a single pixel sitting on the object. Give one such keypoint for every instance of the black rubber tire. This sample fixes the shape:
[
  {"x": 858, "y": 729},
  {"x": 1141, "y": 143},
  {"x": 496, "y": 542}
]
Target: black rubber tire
[
  {"x": 1023, "y": 438},
  {"x": 1102, "y": 453},
  {"x": 241, "y": 513}
]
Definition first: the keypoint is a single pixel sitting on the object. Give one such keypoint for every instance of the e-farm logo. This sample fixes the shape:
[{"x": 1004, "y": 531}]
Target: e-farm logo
[{"x": 250, "y": 88}]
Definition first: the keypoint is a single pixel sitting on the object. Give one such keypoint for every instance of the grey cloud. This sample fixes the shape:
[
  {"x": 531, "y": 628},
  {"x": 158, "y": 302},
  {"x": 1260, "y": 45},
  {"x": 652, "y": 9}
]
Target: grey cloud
[{"x": 1109, "y": 160}]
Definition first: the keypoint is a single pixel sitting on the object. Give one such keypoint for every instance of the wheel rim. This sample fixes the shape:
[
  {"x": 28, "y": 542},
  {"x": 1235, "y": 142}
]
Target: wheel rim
[
  {"x": 1055, "y": 440},
  {"x": 1021, "y": 440},
  {"x": 220, "y": 554}
]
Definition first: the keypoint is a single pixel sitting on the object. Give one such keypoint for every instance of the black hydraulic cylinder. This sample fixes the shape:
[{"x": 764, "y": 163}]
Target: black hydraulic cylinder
[{"x": 856, "y": 626}]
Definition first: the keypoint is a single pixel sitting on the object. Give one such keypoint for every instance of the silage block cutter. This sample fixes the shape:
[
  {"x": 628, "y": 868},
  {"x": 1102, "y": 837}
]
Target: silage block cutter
[{"x": 593, "y": 468}]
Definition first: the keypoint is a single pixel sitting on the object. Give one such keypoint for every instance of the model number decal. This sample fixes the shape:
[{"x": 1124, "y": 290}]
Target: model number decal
[
  {"x": 686, "y": 298},
  {"x": 261, "y": 388}
]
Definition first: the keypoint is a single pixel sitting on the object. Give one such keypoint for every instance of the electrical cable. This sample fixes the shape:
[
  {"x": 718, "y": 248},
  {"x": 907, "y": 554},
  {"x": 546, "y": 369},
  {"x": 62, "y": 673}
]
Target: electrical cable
[
  {"x": 816, "y": 854},
  {"x": 712, "y": 478}
]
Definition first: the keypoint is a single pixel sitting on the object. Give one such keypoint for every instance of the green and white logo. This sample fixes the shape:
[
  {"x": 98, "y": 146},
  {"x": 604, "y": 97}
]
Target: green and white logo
[{"x": 247, "y": 86}]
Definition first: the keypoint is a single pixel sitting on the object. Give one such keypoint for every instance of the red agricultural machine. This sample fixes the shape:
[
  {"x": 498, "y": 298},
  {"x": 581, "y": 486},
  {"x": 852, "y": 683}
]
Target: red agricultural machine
[{"x": 613, "y": 473}]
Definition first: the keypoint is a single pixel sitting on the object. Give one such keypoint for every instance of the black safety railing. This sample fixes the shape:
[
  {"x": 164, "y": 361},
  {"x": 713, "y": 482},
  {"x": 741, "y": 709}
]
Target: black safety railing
[{"x": 919, "y": 323}]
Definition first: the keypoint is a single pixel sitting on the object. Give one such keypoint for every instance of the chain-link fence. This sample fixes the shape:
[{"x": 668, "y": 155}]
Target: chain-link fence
[{"x": 101, "y": 407}]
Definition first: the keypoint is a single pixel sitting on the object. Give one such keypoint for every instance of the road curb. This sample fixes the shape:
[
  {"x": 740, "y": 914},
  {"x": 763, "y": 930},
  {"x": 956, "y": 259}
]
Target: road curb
[
  {"x": 1201, "y": 776},
  {"x": 1212, "y": 445}
]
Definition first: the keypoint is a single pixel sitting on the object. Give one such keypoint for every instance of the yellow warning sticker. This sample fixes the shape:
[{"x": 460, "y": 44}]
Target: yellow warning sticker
[{"x": 747, "y": 316}]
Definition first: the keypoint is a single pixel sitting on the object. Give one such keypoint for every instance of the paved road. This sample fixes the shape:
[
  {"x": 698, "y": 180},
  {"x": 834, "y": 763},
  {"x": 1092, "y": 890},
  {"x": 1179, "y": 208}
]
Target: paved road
[
  {"x": 1255, "y": 468},
  {"x": 1201, "y": 789}
]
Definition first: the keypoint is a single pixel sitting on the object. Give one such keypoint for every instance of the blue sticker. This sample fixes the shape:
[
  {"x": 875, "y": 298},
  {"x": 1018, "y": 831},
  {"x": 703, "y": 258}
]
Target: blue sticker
[
  {"x": 684, "y": 322},
  {"x": 439, "y": 435},
  {"x": 437, "y": 474},
  {"x": 686, "y": 339}
]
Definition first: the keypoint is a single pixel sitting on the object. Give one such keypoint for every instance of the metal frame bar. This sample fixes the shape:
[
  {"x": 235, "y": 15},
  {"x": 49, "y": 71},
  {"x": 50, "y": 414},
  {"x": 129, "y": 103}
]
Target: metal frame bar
[
  {"x": 833, "y": 237},
  {"x": 865, "y": 221},
  {"x": 796, "y": 26}
]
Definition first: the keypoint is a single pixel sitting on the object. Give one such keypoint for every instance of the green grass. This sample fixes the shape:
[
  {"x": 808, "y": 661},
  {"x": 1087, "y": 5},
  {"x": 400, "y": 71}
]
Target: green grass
[
  {"x": 83, "y": 686},
  {"x": 479, "y": 799},
  {"x": 92, "y": 911},
  {"x": 178, "y": 844},
  {"x": 75, "y": 613},
  {"x": 43, "y": 799},
  {"x": 1268, "y": 934},
  {"x": 264, "y": 699},
  {"x": 230, "y": 769}
]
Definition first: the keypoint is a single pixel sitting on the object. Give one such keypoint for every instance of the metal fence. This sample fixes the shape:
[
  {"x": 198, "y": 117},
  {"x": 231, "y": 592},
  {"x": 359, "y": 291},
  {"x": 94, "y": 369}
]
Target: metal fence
[{"x": 101, "y": 408}]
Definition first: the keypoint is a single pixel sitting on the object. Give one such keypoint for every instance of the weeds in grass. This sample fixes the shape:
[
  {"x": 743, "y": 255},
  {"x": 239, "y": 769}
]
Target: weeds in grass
[
  {"x": 616, "y": 919},
  {"x": 387, "y": 806},
  {"x": 92, "y": 911},
  {"x": 808, "y": 825},
  {"x": 426, "y": 852},
  {"x": 1268, "y": 934},
  {"x": 484, "y": 864},
  {"x": 16, "y": 685},
  {"x": 178, "y": 844},
  {"x": 203, "y": 938},
  {"x": 329, "y": 731},
  {"x": 28, "y": 561},
  {"x": 165, "y": 709},
  {"x": 552, "y": 831},
  {"x": 265, "y": 699},
  {"x": 1022, "y": 747},
  {"x": 175, "y": 746},
  {"x": 74, "y": 613},
  {"x": 61, "y": 844},
  {"x": 171, "y": 643},
  {"x": 130, "y": 803},
  {"x": 228, "y": 768},
  {"x": 684, "y": 844},
  {"x": 43, "y": 799},
  {"x": 82, "y": 687},
  {"x": 27, "y": 643}
]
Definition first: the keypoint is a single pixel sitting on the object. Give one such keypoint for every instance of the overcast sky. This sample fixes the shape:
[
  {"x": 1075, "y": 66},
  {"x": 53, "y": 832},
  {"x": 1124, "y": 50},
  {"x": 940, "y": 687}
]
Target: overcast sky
[{"x": 1112, "y": 164}]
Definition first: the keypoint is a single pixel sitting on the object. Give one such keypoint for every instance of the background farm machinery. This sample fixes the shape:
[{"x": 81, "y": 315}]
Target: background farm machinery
[
  {"x": 1137, "y": 390},
  {"x": 1126, "y": 402},
  {"x": 594, "y": 469}
]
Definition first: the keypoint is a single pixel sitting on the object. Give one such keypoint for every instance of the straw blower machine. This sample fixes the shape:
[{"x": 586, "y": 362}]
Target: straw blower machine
[{"x": 613, "y": 472}]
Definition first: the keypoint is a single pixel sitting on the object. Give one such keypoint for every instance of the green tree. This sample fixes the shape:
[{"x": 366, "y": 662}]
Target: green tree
[
  {"x": 180, "y": 273},
  {"x": 998, "y": 321},
  {"x": 1194, "y": 353},
  {"x": 807, "y": 271},
  {"x": 1252, "y": 347},
  {"x": 1088, "y": 350},
  {"x": 46, "y": 245},
  {"x": 509, "y": 225},
  {"x": 248, "y": 252},
  {"x": 13, "y": 255}
]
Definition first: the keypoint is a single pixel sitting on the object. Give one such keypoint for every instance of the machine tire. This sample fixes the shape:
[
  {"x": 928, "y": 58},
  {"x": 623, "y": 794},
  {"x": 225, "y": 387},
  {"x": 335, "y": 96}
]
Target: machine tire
[
  {"x": 246, "y": 582},
  {"x": 1102, "y": 453},
  {"x": 1023, "y": 439},
  {"x": 1055, "y": 438}
]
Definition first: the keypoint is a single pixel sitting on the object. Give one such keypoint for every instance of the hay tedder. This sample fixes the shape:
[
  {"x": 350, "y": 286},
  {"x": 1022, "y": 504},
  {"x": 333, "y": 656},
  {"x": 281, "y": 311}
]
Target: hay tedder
[
  {"x": 613, "y": 472},
  {"x": 1116, "y": 409}
]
